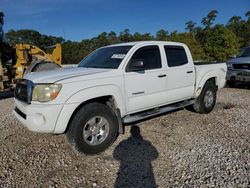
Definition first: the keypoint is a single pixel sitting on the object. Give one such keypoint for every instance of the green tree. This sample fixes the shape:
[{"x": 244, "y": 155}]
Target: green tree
[
  {"x": 208, "y": 42},
  {"x": 112, "y": 37},
  {"x": 238, "y": 26},
  {"x": 241, "y": 28},
  {"x": 70, "y": 52},
  {"x": 162, "y": 35},
  {"x": 247, "y": 30},
  {"x": 219, "y": 43},
  {"x": 31, "y": 37},
  {"x": 191, "y": 42},
  {"x": 208, "y": 20},
  {"x": 125, "y": 36},
  {"x": 102, "y": 39},
  {"x": 147, "y": 36},
  {"x": 137, "y": 37},
  {"x": 247, "y": 14},
  {"x": 190, "y": 26}
]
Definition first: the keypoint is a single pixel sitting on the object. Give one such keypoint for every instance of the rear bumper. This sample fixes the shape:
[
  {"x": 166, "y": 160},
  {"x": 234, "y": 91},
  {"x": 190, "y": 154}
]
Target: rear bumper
[{"x": 37, "y": 117}]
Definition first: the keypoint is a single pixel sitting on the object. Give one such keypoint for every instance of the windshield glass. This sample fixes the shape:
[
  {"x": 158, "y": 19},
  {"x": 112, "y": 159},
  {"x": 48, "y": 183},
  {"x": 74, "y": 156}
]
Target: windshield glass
[
  {"x": 245, "y": 53},
  {"x": 107, "y": 58}
]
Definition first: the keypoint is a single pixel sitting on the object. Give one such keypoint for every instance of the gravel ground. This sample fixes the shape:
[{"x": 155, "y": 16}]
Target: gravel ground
[{"x": 181, "y": 149}]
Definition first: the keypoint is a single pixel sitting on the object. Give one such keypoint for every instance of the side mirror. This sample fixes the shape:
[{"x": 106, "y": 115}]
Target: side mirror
[{"x": 136, "y": 65}]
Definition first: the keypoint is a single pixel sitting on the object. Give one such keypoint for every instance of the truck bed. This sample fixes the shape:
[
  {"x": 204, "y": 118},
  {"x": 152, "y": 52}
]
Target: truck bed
[
  {"x": 206, "y": 63},
  {"x": 204, "y": 69}
]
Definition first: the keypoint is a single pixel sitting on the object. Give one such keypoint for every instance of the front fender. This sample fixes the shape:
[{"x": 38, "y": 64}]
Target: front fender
[
  {"x": 99, "y": 91},
  {"x": 84, "y": 95}
]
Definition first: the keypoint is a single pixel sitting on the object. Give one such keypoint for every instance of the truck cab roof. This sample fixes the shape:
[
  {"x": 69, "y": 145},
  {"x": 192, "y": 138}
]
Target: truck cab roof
[{"x": 147, "y": 42}]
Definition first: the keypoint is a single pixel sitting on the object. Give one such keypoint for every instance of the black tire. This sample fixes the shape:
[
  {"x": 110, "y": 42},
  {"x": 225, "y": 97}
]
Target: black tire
[
  {"x": 81, "y": 119},
  {"x": 231, "y": 83},
  {"x": 200, "y": 106}
]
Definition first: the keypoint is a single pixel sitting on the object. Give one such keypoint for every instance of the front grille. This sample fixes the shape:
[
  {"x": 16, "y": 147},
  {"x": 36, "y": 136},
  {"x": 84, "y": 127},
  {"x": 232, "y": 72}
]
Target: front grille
[
  {"x": 23, "y": 90},
  {"x": 244, "y": 66}
]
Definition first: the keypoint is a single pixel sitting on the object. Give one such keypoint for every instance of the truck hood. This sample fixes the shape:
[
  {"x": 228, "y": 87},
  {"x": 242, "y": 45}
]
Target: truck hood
[
  {"x": 239, "y": 60},
  {"x": 61, "y": 74}
]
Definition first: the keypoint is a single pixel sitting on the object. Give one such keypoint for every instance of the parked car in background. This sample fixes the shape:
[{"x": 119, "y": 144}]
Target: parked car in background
[{"x": 238, "y": 69}]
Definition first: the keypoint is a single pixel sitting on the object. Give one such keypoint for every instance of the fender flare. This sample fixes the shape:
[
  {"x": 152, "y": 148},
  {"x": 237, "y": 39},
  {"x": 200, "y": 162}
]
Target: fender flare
[
  {"x": 99, "y": 91},
  {"x": 205, "y": 78},
  {"x": 80, "y": 97}
]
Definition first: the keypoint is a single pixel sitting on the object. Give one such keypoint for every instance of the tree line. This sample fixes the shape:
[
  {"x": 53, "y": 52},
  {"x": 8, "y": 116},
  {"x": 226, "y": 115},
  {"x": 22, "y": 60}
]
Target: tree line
[{"x": 208, "y": 42}]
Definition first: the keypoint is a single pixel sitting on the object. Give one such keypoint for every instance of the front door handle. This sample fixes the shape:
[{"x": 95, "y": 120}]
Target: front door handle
[
  {"x": 189, "y": 72},
  {"x": 162, "y": 75}
]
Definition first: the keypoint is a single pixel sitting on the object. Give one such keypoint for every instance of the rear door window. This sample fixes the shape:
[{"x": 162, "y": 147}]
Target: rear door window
[{"x": 176, "y": 55}]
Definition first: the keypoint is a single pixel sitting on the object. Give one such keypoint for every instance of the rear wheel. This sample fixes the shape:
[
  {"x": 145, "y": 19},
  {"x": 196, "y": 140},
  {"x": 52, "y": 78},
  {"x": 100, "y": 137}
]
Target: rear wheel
[
  {"x": 207, "y": 99},
  {"x": 93, "y": 129}
]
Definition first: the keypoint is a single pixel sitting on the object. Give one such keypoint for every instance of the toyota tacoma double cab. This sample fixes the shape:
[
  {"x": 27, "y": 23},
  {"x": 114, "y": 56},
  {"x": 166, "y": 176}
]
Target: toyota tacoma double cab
[{"x": 114, "y": 86}]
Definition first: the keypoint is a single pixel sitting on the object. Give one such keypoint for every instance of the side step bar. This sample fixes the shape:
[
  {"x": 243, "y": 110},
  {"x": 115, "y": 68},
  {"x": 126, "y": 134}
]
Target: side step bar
[{"x": 156, "y": 111}]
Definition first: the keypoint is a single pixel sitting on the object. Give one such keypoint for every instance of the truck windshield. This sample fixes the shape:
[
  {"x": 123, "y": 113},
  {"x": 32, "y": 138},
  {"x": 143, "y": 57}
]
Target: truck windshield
[
  {"x": 106, "y": 58},
  {"x": 245, "y": 53}
]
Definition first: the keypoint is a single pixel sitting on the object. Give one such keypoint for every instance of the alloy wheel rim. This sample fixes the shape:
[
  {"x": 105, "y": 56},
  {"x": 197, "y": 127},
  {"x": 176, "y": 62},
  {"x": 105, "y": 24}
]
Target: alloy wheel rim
[
  {"x": 96, "y": 130},
  {"x": 208, "y": 99}
]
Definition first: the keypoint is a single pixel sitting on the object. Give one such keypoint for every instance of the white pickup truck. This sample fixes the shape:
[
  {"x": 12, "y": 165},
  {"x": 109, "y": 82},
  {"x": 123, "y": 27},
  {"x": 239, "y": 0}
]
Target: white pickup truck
[{"x": 113, "y": 86}]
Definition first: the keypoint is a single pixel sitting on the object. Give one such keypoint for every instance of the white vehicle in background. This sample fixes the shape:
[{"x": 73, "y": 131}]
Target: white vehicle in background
[
  {"x": 239, "y": 68},
  {"x": 66, "y": 66},
  {"x": 113, "y": 86}
]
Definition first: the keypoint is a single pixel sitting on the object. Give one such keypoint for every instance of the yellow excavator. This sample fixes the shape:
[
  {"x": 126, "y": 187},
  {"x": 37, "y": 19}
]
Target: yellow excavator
[
  {"x": 25, "y": 58},
  {"x": 30, "y": 58},
  {"x": 33, "y": 59}
]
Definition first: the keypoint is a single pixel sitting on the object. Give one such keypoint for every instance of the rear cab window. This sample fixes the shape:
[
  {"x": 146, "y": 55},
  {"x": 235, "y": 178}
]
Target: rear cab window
[{"x": 176, "y": 55}]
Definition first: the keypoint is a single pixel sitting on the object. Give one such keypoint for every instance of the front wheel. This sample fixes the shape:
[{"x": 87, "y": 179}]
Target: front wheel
[
  {"x": 93, "y": 129},
  {"x": 205, "y": 103}
]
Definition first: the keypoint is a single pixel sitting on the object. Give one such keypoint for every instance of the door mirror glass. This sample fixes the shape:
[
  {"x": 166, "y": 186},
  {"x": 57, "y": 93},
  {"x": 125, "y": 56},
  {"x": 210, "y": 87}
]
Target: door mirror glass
[{"x": 136, "y": 65}]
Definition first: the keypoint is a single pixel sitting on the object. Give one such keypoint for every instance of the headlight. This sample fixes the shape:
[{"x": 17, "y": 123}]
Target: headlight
[
  {"x": 45, "y": 92},
  {"x": 229, "y": 65}
]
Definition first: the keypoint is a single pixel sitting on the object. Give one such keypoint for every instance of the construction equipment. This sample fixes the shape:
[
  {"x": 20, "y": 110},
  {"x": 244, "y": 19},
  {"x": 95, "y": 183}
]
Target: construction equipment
[
  {"x": 6, "y": 54},
  {"x": 29, "y": 58},
  {"x": 25, "y": 58},
  {"x": 33, "y": 59}
]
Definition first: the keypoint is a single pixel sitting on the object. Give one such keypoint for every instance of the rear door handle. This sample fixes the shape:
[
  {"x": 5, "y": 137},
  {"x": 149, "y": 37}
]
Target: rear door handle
[
  {"x": 162, "y": 75},
  {"x": 189, "y": 72}
]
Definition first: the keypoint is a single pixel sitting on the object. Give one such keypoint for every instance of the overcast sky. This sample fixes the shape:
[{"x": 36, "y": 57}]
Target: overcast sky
[{"x": 81, "y": 19}]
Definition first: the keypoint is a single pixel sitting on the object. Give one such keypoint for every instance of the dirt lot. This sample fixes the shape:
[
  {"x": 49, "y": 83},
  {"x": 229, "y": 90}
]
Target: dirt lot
[{"x": 181, "y": 149}]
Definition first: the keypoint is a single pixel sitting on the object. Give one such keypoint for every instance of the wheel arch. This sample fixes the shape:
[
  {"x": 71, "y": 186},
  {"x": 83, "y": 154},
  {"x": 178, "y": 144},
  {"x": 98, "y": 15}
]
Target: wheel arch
[
  {"x": 103, "y": 100},
  {"x": 106, "y": 95},
  {"x": 212, "y": 77}
]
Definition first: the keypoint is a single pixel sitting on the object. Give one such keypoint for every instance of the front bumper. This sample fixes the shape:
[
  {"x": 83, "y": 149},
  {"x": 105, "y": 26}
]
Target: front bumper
[
  {"x": 238, "y": 75},
  {"x": 37, "y": 117}
]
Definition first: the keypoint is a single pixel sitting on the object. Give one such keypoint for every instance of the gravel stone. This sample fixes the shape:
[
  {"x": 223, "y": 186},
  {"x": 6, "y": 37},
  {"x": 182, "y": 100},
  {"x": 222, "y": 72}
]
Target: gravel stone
[{"x": 180, "y": 149}]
